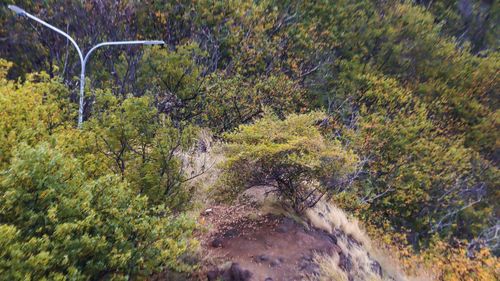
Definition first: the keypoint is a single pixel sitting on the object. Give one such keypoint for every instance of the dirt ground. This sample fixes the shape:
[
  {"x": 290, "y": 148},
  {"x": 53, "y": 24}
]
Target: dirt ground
[{"x": 270, "y": 247}]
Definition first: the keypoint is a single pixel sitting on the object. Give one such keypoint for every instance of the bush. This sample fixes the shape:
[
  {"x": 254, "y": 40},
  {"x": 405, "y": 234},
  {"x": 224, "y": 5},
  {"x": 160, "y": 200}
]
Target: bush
[
  {"x": 140, "y": 144},
  {"x": 450, "y": 261},
  {"x": 442, "y": 260},
  {"x": 290, "y": 155},
  {"x": 32, "y": 111},
  {"x": 57, "y": 224}
]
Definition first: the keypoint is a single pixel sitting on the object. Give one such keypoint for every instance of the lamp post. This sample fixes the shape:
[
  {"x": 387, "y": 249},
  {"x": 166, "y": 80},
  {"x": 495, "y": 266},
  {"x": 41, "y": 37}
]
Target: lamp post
[{"x": 83, "y": 59}]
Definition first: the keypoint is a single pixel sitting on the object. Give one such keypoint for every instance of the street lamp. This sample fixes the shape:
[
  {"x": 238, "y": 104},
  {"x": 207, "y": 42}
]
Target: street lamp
[{"x": 83, "y": 59}]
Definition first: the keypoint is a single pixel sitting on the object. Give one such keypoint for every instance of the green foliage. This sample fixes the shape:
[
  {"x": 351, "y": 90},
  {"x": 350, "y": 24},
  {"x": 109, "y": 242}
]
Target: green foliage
[
  {"x": 140, "y": 145},
  {"x": 231, "y": 101},
  {"x": 418, "y": 177},
  {"x": 420, "y": 107},
  {"x": 469, "y": 21},
  {"x": 31, "y": 111},
  {"x": 66, "y": 209},
  {"x": 400, "y": 41},
  {"x": 443, "y": 260},
  {"x": 410, "y": 86},
  {"x": 175, "y": 78},
  {"x": 57, "y": 224},
  {"x": 289, "y": 154}
]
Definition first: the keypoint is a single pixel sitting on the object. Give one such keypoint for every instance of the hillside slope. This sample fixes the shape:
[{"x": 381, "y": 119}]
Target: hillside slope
[{"x": 248, "y": 242}]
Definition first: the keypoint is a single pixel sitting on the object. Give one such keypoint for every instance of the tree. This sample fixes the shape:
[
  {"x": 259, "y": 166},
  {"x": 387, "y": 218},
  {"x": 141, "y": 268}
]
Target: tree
[
  {"x": 290, "y": 155},
  {"x": 417, "y": 176},
  {"x": 140, "y": 144},
  {"x": 231, "y": 101}
]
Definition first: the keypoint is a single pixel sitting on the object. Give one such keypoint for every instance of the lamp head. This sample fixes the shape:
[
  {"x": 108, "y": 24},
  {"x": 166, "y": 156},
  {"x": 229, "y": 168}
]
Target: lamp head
[
  {"x": 17, "y": 10},
  {"x": 154, "y": 43}
]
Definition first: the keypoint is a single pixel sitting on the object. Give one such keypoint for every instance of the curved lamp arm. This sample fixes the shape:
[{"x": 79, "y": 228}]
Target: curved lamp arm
[
  {"x": 22, "y": 12},
  {"x": 83, "y": 60},
  {"x": 142, "y": 42}
]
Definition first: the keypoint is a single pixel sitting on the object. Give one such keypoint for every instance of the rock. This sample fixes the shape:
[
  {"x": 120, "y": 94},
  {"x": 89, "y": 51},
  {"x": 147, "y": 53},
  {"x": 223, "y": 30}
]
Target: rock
[
  {"x": 212, "y": 275},
  {"x": 275, "y": 262},
  {"x": 281, "y": 229},
  {"x": 308, "y": 266},
  {"x": 231, "y": 233},
  {"x": 233, "y": 273},
  {"x": 256, "y": 195},
  {"x": 261, "y": 258},
  {"x": 190, "y": 259},
  {"x": 376, "y": 268},
  {"x": 345, "y": 262},
  {"x": 333, "y": 238},
  {"x": 285, "y": 225},
  {"x": 236, "y": 273},
  {"x": 217, "y": 242}
]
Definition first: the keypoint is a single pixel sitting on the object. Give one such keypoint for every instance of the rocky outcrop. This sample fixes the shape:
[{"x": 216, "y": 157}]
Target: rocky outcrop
[
  {"x": 233, "y": 273},
  {"x": 273, "y": 247}
]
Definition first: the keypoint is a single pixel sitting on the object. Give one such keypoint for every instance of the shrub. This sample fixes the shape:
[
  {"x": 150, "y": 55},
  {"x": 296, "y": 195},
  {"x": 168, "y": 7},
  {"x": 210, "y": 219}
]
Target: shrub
[
  {"x": 32, "y": 110},
  {"x": 450, "y": 262},
  {"x": 140, "y": 144},
  {"x": 290, "y": 155},
  {"x": 442, "y": 260},
  {"x": 57, "y": 224}
]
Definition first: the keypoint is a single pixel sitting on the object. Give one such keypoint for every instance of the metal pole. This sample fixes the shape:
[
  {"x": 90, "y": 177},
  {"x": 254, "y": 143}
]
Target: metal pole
[
  {"x": 83, "y": 60},
  {"x": 81, "y": 102}
]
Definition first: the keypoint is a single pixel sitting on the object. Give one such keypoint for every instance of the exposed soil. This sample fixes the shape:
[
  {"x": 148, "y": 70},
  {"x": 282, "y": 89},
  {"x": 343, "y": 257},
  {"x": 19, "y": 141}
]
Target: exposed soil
[
  {"x": 269, "y": 247},
  {"x": 242, "y": 243}
]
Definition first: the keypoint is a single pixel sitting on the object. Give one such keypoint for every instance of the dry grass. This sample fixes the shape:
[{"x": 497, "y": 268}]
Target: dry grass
[
  {"x": 329, "y": 267},
  {"x": 328, "y": 218},
  {"x": 354, "y": 243},
  {"x": 200, "y": 165}
]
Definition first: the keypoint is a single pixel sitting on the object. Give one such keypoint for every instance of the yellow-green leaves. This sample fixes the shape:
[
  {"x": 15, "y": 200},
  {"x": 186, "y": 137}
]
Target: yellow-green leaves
[
  {"x": 53, "y": 217},
  {"x": 64, "y": 213},
  {"x": 32, "y": 111},
  {"x": 291, "y": 154},
  {"x": 139, "y": 143},
  {"x": 4, "y": 69}
]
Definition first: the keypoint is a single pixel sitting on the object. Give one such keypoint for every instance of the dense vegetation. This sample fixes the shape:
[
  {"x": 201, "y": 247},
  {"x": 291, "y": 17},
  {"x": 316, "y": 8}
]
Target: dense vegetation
[
  {"x": 290, "y": 155},
  {"x": 388, "y": 108}
]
